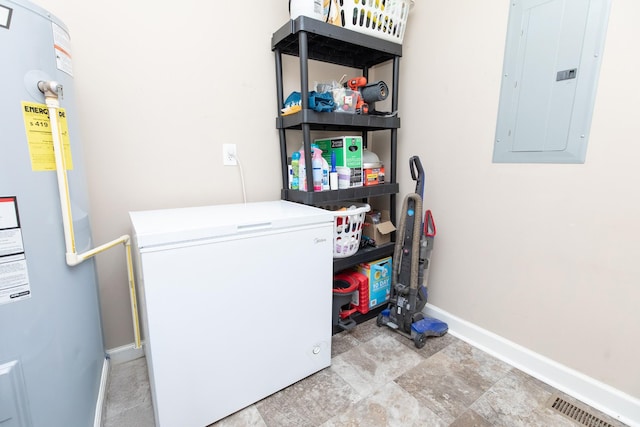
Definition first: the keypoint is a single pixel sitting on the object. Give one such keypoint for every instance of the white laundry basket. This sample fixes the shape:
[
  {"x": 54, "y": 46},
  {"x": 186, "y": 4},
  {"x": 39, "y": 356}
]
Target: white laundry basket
[
  {"x": 385, "y": 19},
  {"x": 347, "y": 227}
]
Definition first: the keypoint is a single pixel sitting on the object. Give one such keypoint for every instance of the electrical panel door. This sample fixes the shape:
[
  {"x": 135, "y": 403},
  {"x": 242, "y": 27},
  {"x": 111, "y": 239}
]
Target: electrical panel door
[{"x": 551, "y": 64}]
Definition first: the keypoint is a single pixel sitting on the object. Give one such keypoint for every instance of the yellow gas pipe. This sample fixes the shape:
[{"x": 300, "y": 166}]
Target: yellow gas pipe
[{"x": 52, "y": 91}]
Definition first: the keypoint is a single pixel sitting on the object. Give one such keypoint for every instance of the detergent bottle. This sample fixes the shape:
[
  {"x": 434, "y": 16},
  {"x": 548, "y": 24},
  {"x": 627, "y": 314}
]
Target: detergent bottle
[
  {"x": 316, "y": 164},
  {"x": 295, "y": 166}
]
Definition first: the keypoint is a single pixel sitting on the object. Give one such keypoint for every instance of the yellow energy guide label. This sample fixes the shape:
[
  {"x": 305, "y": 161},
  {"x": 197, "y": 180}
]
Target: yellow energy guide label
[{"x": 39, "y": 138}]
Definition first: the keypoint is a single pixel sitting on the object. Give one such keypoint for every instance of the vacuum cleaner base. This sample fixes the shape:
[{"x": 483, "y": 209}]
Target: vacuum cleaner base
[{"x": 420, "y": 330}]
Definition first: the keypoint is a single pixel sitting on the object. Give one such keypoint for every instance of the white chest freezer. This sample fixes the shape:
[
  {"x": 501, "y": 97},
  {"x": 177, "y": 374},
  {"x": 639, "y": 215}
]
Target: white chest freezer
[{"x": 235, "y": 302}]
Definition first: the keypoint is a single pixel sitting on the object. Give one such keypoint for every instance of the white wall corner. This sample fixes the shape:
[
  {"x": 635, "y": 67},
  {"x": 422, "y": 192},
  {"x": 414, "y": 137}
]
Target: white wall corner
[
  {"x": 594, "y": 393},
  {"x": 125, "y": 353}
]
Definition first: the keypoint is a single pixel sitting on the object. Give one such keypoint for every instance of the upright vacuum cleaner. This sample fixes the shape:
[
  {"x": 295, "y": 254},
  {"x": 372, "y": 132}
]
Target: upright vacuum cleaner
[{"x": 411, "y": 260}]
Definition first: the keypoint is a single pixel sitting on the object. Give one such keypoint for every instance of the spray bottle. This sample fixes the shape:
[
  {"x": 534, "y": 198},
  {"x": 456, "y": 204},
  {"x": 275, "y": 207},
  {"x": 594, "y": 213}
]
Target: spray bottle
[{"x": 316, "y": 163}]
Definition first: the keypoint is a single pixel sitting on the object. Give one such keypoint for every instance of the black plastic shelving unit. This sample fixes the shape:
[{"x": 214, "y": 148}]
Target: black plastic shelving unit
[
  {"x": 363, "y": 255},
  {"x": 333, "y": 44},
  {"x": 313, "y": 198},
  {"x": 337, "y": 121},
  {"x": 310, "y": 39}
]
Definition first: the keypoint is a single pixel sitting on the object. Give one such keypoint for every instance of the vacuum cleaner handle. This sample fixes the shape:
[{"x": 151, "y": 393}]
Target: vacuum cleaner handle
[{"x": 417, "y": 173}]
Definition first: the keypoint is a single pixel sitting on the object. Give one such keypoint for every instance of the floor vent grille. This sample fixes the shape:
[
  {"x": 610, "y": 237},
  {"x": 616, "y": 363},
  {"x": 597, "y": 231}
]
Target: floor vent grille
[{"x": 573, "y": 412}]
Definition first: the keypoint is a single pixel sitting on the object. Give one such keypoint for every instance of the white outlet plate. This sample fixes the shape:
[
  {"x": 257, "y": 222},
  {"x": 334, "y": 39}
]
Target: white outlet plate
[{"x": 229, "y": 155}]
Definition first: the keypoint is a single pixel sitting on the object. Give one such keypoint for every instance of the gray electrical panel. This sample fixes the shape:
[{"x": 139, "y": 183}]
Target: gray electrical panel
[{"x": 551, "y": 65}]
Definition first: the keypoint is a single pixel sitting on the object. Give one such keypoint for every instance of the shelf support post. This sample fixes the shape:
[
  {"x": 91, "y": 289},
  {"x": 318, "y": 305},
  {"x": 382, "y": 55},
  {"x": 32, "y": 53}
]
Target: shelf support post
[
  {"x": 303, "y": 54},
  {"x": 394, "y": 138},
  {"x": 284, "y": 172}
]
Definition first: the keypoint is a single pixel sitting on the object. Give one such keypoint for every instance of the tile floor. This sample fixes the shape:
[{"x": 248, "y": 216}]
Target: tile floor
[{"x": 377, "y": 378}]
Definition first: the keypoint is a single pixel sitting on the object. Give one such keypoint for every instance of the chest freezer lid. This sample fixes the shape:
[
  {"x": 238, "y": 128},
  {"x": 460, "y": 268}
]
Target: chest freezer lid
[{"x": 169, "y": 226}]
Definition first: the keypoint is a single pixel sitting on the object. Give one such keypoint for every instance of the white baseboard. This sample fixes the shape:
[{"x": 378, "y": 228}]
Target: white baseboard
[
  {"x": 102, "y": 393},
  {"x": 125, "y": 353},
  {"x": 594, "y": 393}
]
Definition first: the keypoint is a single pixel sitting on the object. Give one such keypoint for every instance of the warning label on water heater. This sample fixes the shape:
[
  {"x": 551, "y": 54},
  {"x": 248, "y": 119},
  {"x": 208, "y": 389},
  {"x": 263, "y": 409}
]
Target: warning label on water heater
[
  {"x": 14, "y": 277},
  {"x": 40, "y": 139},
  {"x": 62, "y": 46}
]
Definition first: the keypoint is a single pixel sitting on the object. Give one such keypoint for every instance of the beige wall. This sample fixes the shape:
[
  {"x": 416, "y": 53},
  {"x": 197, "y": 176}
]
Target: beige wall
[
  {"x": 161, "y": 86},
  {"x": 544, "y": 255}
]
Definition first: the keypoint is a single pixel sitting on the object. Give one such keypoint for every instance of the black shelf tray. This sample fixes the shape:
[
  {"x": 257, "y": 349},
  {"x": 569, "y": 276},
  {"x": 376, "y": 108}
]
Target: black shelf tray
[
  {"x": 333, "y": 44},
  {"x": 331, "y": 121},
  {"x": 312, "y": 198},
  {"x": 363, "y": 255}
]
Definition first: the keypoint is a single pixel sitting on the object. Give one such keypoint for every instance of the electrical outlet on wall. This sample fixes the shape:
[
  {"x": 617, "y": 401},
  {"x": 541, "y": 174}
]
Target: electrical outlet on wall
[{"x": 229, "y": 155}]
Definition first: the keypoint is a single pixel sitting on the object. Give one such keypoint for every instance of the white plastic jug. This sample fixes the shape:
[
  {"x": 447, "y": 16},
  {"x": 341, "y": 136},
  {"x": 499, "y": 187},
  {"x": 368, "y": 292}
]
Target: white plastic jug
[{"x": 316, "y": 9}]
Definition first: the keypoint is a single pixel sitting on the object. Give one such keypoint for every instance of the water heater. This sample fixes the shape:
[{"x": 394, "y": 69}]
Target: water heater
[{"x": 51, "y": 346}]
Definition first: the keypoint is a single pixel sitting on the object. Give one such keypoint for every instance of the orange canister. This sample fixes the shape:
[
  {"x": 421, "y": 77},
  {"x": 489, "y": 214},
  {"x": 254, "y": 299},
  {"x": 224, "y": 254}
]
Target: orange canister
[
  {"x": 372, "y": 173},
  {"x": 372, "y": 169}
]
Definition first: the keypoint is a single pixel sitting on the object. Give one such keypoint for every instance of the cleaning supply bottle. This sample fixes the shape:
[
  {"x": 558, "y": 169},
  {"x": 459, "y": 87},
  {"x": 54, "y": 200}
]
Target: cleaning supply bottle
[
  {"x": 325, "y": 175},
  {"x": 295, "y": 166},
  {"x": 302, "y": 171},
  {"x": 316, "y": 164}
]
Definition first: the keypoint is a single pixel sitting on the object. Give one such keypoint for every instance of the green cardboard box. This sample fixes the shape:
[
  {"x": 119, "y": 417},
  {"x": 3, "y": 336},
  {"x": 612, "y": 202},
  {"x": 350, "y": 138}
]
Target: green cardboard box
[{"x": 348, "y": 151}]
